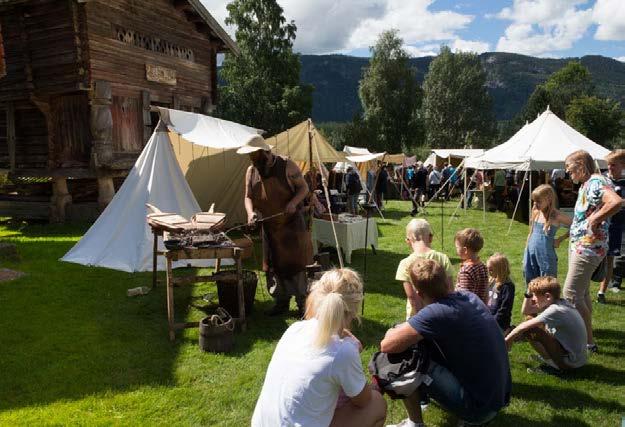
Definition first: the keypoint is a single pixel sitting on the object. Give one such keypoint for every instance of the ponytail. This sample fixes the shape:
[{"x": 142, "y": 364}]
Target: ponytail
[
  {"x": 334, "y": 301},
  {"x": 331, "y": 316}
]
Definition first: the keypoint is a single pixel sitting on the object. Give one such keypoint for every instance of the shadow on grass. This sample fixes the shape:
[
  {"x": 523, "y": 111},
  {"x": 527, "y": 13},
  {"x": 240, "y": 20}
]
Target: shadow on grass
[
  {"x": 598, "y": 373},
  {"x": 561, "y": 398},
  {"x": 69, "y": 331},
  {"x": 516, "y": 420}
]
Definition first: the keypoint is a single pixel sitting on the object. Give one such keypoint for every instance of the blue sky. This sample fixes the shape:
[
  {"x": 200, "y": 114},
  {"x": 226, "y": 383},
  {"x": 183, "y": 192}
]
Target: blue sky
[{"x": 545, "y": 28}]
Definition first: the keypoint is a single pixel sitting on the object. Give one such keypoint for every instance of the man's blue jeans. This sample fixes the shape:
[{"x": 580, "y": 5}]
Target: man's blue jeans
[{"x": 450, "y": 394}]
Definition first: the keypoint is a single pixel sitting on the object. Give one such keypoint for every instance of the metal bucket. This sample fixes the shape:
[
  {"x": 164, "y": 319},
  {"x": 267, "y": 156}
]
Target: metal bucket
[{"x": 217, "y": 332}]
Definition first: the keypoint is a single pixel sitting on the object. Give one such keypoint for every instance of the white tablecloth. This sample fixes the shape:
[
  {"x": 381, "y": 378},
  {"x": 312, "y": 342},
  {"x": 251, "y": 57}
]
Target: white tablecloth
[{"x": 351, "y": 236}]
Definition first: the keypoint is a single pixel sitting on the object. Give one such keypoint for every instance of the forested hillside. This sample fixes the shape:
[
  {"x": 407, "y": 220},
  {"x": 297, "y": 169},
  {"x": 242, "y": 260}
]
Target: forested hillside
[{"x": 511, "y": 80}]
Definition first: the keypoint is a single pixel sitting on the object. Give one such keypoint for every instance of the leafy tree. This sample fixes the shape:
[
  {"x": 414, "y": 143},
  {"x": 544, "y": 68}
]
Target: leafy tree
[
  {"x": 599, "y": 119},
  {"x": 457, "y": 107},
  {"x": 262, "y": 82},
  {"x": 570, "y": 82},
  {"x": 390, "y": 97}
]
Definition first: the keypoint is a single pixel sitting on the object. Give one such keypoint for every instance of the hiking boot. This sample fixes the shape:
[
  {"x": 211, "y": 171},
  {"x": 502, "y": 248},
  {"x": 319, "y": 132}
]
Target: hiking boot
[{"x": 601, "y": 298}]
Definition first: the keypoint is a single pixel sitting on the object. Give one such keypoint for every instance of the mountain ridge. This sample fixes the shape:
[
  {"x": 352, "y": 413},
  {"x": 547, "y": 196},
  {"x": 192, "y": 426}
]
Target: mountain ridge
[{"x": 511, "y": 79}]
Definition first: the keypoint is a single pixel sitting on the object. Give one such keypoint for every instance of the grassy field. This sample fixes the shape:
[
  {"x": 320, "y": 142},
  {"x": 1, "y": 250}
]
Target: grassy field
[{"x": 76, "y": 350}]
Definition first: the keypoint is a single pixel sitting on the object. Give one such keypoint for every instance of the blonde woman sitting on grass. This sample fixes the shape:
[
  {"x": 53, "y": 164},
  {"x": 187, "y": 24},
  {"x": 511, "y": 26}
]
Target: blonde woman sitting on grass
[{"x": 317, "y": 360}]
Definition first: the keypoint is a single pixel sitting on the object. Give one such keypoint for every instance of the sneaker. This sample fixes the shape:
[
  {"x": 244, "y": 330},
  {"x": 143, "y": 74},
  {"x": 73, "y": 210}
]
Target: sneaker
[
  {"x": 543, "y": 369},
  {"x": 538, "y": 358},
  {"x": 615, "y": 287},
  {"x": 592, "y": 348},
  {"x": 601, "y": 298},
  {"x": 406, "y": 423}
]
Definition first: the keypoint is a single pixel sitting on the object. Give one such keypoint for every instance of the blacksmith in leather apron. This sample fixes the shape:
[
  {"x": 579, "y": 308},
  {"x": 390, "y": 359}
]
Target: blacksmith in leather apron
[{"x": 275, "y": 185}]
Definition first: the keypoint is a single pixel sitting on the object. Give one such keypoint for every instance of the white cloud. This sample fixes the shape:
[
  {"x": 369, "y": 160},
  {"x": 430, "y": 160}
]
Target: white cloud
[
  {"x": 541, "y": 27},
  {"x": 469, "y": 46},
  {"x": 414, "y": 21},
  {"x": 419, "y": 51},
  {"x": 326, "y": 26},
  {"x": 620, "y": 58},
  {"x": 610, "y": 18}
]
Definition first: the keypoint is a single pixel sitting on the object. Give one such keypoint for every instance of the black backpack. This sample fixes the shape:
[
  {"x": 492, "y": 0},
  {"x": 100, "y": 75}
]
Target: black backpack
[{"x": 400, "y": 374}]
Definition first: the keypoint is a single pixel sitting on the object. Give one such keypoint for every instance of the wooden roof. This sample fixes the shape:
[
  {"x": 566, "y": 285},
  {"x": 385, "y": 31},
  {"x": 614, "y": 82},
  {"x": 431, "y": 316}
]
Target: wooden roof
[{"x": 195, "y": 12}]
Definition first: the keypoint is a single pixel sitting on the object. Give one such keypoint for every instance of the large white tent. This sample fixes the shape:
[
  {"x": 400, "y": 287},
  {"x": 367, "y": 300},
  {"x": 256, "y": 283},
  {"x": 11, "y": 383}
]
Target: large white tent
[
  {"x": 540, "y": 145},
  {"x": 120, "y": 238}
]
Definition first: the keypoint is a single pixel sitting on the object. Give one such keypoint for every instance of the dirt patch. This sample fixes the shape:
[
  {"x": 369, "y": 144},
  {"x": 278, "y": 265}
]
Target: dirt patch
[{"x": 7, "y": 275}]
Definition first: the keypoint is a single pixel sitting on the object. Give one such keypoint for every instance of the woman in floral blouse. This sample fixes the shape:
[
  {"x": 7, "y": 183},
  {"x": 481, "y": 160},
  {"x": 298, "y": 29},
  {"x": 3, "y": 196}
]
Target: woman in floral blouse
[{"x": 596, "y": 203}]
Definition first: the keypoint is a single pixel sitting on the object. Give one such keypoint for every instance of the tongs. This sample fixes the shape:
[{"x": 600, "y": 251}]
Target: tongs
[{"x": 256, "y": 222}]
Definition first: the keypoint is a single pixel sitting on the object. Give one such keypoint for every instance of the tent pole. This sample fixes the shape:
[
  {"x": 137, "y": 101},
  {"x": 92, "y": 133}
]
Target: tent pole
[
  {"x": 441, "y": 187},
  {"x": 483, "y": 197},
  {"x": 375, "y": 184},
  {"x": 326, "y": 192},
  {"x": 465, "y": 190},
  {"x": 529, "y": 195},
  {"x": 518, "y": 200}
]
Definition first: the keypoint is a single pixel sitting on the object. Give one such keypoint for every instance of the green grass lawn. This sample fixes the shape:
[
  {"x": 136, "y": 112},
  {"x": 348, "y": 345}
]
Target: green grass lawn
[{"x": 74, "y": 349}]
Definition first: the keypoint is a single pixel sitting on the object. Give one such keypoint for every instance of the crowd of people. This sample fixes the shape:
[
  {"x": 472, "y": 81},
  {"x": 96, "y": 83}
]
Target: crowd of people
[{"x": 464, "y": 318}]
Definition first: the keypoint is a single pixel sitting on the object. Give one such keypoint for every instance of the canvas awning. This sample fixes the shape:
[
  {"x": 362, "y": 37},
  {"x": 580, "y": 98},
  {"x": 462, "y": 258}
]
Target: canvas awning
[{"x": 438, "y": 156}]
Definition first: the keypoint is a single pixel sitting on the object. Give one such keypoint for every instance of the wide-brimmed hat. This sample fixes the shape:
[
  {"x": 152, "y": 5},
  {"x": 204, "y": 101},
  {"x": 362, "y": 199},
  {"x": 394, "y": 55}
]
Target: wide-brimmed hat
[{"x": 256, "y": 143}]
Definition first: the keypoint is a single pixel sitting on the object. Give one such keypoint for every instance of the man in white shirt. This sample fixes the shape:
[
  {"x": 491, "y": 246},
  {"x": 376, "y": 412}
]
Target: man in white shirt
[{"x": 435, "y": 178}]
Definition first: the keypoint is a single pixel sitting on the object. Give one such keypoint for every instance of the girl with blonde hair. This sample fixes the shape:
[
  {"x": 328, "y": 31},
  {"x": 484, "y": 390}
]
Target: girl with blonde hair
[
  {"x": 540, "y": 257},
  {"x": 501, "y": 292},
  {"x": 318, "y": 358}
]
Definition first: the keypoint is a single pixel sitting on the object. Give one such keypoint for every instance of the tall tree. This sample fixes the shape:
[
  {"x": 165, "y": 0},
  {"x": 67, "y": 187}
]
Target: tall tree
[
  {"x": 390, "y": 97},
  {"x": 456, "y": 104},
  {"x": 599, "y": 119},
  {"x": 263, "y": 82},
  {"x": 570, "y": 82}
]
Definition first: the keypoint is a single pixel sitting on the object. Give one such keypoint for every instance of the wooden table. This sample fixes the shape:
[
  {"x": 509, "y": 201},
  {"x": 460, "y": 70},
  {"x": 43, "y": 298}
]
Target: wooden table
[
  {"x": 216, "y": 253},
  {"x": 159, "y": 232}
]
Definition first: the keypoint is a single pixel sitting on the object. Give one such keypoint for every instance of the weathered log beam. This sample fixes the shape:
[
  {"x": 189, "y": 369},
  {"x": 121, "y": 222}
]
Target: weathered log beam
[
  {"x": 10, "y": 113},
  {"x": 182, "y": 5}
]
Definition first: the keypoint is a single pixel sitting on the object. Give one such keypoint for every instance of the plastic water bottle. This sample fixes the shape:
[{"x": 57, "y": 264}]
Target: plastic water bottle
[{"x": 141, "y": 290}]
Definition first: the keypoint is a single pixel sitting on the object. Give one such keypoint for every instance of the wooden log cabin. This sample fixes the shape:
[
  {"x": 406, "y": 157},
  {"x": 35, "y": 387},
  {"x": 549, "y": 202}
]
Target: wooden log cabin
[{"x": 79, "y": 82}]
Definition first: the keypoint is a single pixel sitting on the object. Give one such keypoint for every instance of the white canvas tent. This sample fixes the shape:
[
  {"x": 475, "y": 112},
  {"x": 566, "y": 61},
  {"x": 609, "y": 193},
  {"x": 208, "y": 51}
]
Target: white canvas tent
[
  {"x": 540, "y": 145},
  {"x": 438, "y": 156},
  {"x": 120, "y": 238}
]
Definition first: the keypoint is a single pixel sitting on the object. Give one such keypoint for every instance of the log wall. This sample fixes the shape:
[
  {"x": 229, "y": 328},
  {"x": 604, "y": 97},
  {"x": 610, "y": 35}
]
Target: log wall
[{"x": 125, "y": 36}]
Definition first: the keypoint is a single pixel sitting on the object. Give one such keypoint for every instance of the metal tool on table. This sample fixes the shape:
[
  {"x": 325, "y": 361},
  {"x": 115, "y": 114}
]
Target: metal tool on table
[{"x": 256, "y": 222}]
